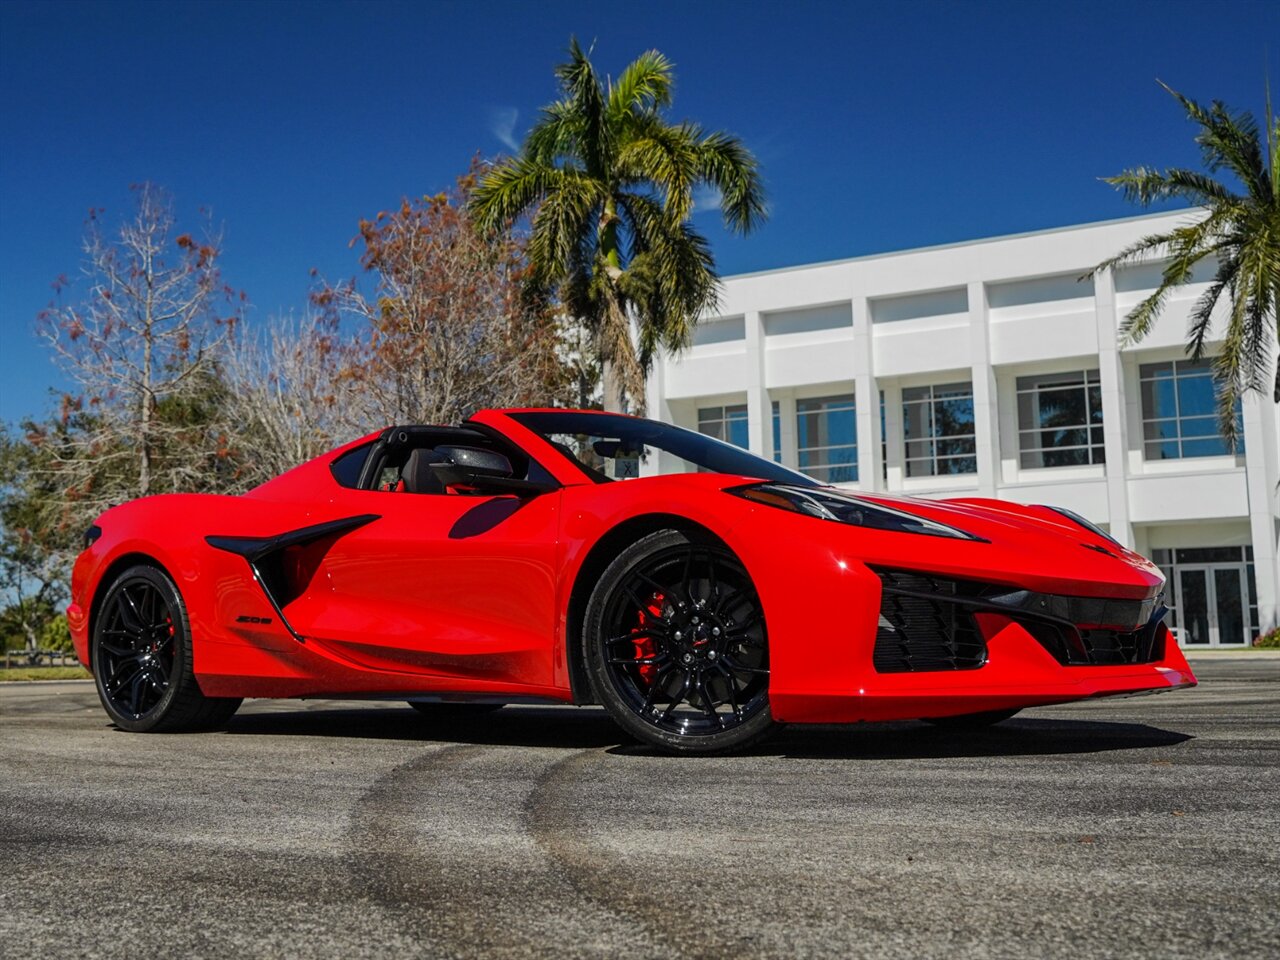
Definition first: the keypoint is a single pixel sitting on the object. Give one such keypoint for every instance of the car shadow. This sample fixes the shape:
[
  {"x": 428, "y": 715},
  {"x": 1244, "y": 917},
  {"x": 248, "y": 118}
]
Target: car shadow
[{"x": 578, "y": 728}]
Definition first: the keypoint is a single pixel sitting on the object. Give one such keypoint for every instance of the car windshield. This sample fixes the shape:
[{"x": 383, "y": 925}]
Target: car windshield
[{"x": 612, "y": 447}]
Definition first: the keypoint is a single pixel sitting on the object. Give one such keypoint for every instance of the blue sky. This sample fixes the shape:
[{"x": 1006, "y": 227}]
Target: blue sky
[{"x": 879, "y": 125}]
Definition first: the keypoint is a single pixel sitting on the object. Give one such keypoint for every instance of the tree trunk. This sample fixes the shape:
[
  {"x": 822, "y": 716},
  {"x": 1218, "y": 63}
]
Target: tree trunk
[{"x": 611, "y": 385}]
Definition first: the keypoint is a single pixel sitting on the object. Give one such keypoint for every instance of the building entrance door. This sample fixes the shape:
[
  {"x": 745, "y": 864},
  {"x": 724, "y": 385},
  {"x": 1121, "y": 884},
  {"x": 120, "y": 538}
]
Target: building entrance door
[{"x": 1213, "y": 605}]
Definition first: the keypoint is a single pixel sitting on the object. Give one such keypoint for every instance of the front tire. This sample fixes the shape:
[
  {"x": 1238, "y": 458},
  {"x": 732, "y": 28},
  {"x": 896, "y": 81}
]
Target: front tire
[
  {"x": 676, "y": 647},
  {"x": 141, "y": 657}
]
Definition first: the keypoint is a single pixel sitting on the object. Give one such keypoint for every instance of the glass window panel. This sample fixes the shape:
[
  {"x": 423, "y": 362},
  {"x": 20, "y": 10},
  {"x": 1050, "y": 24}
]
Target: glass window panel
[
  {"x": 938, "y": 422},
  {"x": 777, "y": 433},
  {"x": 1061, "y": 406},
  {"x": 953, "y": 417},
  {"x": 1199, "y": 426},
  {"x": 1213, "y": 447},
  {"x": 1208, "y": 554},
  {"x": 1231, "y": 612},
  {"x": 1196, "y": 396},
  {"x": 1158, "y": 399},
  {"x": 1160, "y": 429},
  {"x": 1193, "y": 608},
  {"x": 958, "y": 465},
  {"x": 827, "y": 438}
]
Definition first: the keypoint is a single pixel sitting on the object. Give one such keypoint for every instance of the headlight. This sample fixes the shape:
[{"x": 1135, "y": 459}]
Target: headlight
[
  {"x": 844, "y": 508},
  {"x": 91, "y": 536},
  {"x": 1081, "y": 521}
]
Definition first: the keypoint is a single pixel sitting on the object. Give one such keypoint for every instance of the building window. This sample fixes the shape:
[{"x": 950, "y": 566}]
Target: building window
[
  {"x": 725, "y": 423},
  {"x": 1060, "y": 420},
  {"x": 777, "y": 433},
  {"x": 937, "y": 424},
  {"x": 1180, "y": 411},
  {"x": 827, "y": 438}
]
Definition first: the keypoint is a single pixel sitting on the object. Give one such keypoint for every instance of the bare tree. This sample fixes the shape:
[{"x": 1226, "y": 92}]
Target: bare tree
[
  {"x": 289, "y": 394},
  {"x": 447, "y": 327},
  {"x": 141, "y": 349}
]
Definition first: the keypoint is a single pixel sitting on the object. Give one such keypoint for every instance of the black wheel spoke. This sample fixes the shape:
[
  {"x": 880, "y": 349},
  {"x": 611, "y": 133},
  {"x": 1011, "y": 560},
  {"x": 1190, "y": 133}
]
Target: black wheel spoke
[
  {"x": 136, "y": 648},
  {"x": 741, "y": 668},
  {"x": 704, "y": 694},
  {"x": 699, "y": 668},
  {"x": 135, "y": 693},
  {"x": 130, "y": 615},
  {"x": 659, "y": 682},
  {"x": 731, "y": 686},
  {"x": 124, "y": 671},
  {"x": 639, "y": 633},
  {"x": 679, "y": 698},
  {"x": 644, "y": 605}
]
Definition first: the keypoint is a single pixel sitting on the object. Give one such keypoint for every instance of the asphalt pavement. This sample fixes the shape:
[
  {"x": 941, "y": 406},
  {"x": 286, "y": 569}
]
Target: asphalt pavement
[{"x": 1143, "y": 827}]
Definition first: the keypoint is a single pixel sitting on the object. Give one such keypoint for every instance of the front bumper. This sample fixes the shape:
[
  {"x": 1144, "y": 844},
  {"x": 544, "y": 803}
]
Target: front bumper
[{"x": 945, "y": 647}]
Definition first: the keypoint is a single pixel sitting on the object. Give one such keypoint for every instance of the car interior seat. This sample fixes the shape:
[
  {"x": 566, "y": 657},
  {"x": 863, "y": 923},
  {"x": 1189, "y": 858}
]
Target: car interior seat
[{"x": 417, "y": 475}]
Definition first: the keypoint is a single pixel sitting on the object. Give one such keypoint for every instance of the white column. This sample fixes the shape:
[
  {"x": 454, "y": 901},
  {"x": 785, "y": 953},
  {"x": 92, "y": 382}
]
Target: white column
[
  {"x": 1115, "y": 420},
  {"x": 866, "y": 396},
  {"x": 759, "y": 409},
  {"x": 1260, "y": 460},
  {"x": 893, "y": 436},
  {"x": 657, "y": 408},
  {"x": 986, "y": 416}
]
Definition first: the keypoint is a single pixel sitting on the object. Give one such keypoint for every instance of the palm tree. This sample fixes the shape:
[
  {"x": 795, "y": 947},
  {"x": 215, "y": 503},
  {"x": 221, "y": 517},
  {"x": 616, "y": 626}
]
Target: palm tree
[
  {"x": 1240, "y": 233},
  {"x": 609, "y": 183}
]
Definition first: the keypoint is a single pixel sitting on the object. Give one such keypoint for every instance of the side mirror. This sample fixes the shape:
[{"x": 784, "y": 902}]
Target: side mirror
[{"x": 483, "y": 469}]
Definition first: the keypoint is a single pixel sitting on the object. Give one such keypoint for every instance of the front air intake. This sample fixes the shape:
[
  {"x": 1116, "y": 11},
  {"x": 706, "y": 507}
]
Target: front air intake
[{"x": 922, "y": 628}]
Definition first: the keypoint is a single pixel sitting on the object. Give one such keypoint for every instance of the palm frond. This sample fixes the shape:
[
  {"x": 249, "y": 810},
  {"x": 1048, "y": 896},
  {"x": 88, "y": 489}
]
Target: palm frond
[
  {"x": 725, "y": 163},
  {"x": 555, "y": 136},
  {"x": 664, "y": 155},
  {"x": 645, "y": 85},
  {"x": 1144, "y": 186},
  {"x": 1231, "y": 141},
  {"x": 570, "y": 203},
  {"x": 585, "y": 100}
]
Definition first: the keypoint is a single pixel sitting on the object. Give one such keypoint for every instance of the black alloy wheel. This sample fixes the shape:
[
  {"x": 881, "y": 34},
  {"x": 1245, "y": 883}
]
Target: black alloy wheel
[
  {"x": 676, "y": 645},
  {"x": 141, "y": 658}
]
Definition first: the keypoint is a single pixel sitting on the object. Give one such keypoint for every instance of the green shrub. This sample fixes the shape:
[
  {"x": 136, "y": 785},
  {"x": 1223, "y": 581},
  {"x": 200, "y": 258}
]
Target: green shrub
[
  {"x": 1269, "y": 640},
  {"x": 55, "y": 634}
]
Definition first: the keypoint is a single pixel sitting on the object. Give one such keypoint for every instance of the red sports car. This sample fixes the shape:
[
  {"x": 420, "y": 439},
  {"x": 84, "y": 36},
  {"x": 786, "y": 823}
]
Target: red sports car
[{"x": 700, "y": 593}]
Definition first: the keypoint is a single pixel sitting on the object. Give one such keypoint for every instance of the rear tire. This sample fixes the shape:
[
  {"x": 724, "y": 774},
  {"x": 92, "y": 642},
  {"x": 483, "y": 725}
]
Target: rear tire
[
  {"x": 675, "y": 646},
  {"x": 141, "y": 657},
  {"x": 972, "y": 721}
]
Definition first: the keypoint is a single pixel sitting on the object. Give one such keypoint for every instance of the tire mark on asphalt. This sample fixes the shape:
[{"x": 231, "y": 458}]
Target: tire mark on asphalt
[
  {"x": 441, "y": 844},
  {"x": 657, "y": 897}
]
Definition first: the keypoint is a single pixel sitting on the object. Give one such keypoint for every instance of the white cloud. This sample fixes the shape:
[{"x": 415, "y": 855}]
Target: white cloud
[
  {"x": 705, "y": 199},
  {"x": 502, "y": 124}
]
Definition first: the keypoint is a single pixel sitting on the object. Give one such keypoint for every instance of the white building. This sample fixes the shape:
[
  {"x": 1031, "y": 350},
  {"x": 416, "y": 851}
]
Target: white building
[{"x": 990, "y": 369}]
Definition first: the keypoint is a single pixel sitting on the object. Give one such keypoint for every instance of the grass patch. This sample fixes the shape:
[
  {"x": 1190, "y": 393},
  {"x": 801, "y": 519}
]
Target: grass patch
[{"x": 44, "y": 673}]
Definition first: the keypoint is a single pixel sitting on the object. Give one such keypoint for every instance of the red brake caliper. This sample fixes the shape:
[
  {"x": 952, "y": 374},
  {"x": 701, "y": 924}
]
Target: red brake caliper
[{"x": 643, "y": 643}]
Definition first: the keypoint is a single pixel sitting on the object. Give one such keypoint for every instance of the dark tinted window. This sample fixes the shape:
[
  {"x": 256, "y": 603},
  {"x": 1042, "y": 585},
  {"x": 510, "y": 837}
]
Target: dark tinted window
[
  {"x": 346, "y": 469},
  {"x": 611, "y": 447}
]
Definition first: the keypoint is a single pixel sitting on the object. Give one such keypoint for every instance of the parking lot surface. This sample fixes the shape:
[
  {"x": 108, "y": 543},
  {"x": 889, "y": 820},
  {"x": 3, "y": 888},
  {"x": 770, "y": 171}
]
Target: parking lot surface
[{"x": 1139, "y": 827}]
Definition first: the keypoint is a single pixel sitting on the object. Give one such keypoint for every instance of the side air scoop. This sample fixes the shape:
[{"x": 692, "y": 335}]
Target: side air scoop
[{"x": 265, "y": 556}]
